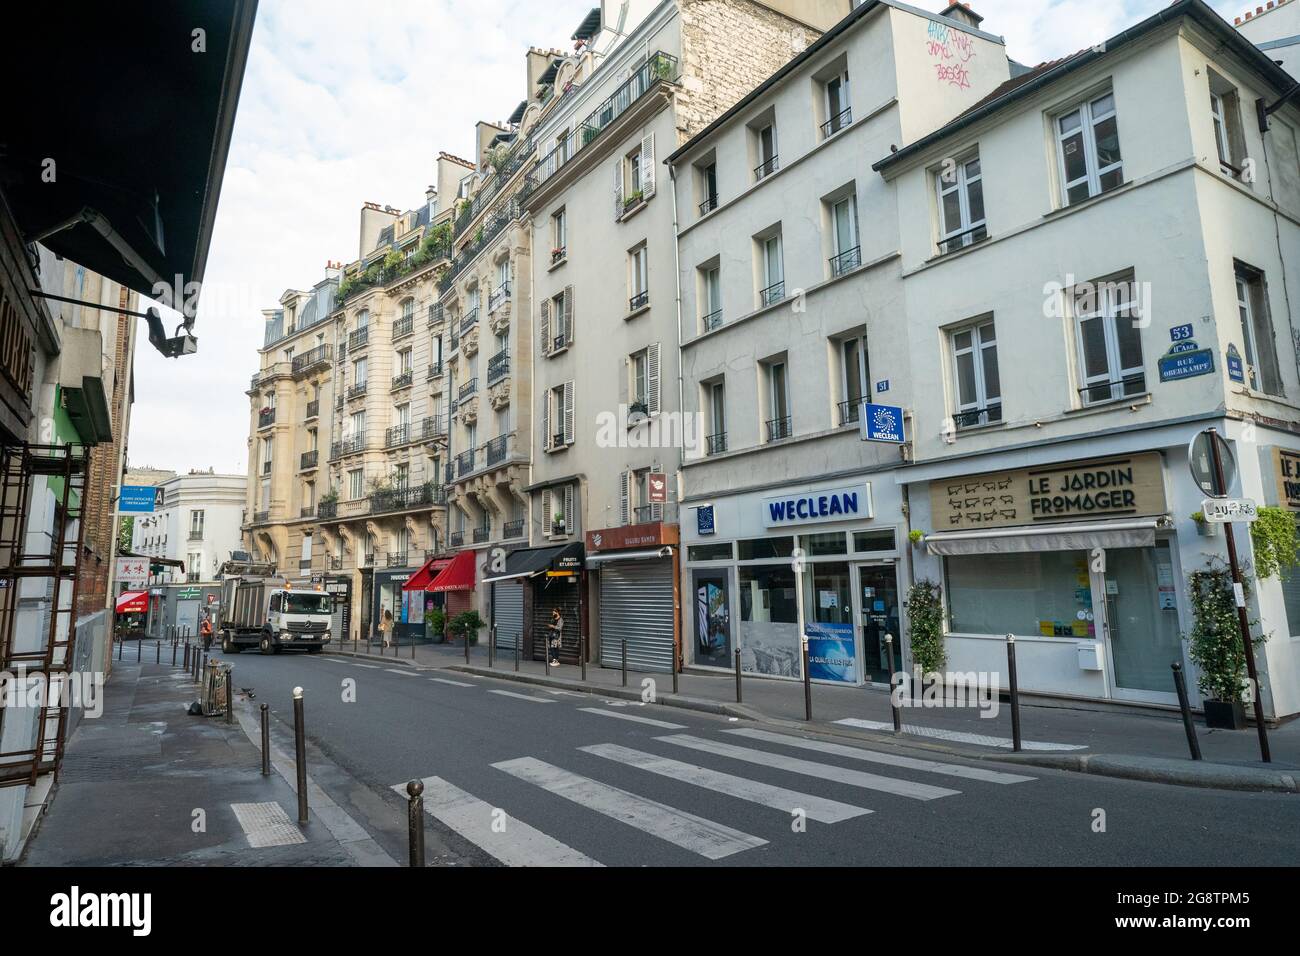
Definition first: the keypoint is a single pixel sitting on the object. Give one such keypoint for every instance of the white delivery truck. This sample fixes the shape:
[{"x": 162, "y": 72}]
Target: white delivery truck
[{"x": 263, "y": 610}]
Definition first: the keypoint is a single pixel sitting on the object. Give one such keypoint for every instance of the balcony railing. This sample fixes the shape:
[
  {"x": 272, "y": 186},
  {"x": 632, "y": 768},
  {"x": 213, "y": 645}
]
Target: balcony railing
[
  {"x": 638, "y": 300},
  {"x": 837, "y": 122},
  {"x": 498, "y": 367},
  {"x": 395, "y": 559},
  {"x": 496, "y": 450},
  {"x": 1116, "y": 389},
  {"x": 327, "y": 510},
  {"x": 778, "y": 428},
  {"x": 467, "y": 391},
  {"x": 397, "y": 435},
  {"x": 196, "y": 534},
  {"x": 513, "y": 529},
  {"x": 643, "y": 514},
  {"x": 309, "y": 460},
  {"x": 959, "y": 240},
  {"x": 456, "y": 539},
  {"x": 336, "y": 563},
  {"x": 765, "y": 169},
  {"x": 319, "y": 357},
  {"x": 266, "y": 467},
  {"x": 313, "y": 410},
  {"x": 433, "y": 428},
  {"x": 307, "y": 511},
  {"x": 849, "y": 411},
  {"x": 713, "y": 320},
  {"x": 499, "y": 295},
  {"x": 358, "y": 339},
  {"x": 465, "y": 463},
  {"x": 435, "y": 371},
  {"x": 709, "y": 205},
  {"x": 266, "y": 418},
  {"x": 468, "y": 321},
  {"x": 261, "y": 517},
  {"x": 481, "y": 535},
  {"x": 403, "y": 380},
  {"x": 716, "y": 444},
  {"x": 449, "y": 472},
  {"x": 772, "y": 294},
  {"x": 357, "y": 391},
  {"x": 368, "y": 560},
  {"x": 348, "y": 446},
  {"x": 974, "y": 417},
  {"x": 561, "y": 338},
  {"x": 403, "y": 327},
  {"x": 437, "y": 315},
  {"x": 846, "y": 261}
]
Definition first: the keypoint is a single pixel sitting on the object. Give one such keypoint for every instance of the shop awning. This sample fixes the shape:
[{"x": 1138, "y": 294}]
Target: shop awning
[
  {"x": 530, "y": 562},
  {"x": 133, "y": 602},
  {"x": 1056, "y": 537},
  {"x": 596, "y": 559},
  {"x": 458, "y": 575},
  {"x": 421, "y": 579}
]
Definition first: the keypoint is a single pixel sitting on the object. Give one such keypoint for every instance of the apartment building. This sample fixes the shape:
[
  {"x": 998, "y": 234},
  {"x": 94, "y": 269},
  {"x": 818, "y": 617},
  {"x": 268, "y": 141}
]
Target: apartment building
[
  {"x": 607, "y": 412},
  {"x": 792, "y": 323},
  {"x": 1274, "y": 27},
  {"x": 1097, "y": 265},
  {"x": 198, "y": 525}
]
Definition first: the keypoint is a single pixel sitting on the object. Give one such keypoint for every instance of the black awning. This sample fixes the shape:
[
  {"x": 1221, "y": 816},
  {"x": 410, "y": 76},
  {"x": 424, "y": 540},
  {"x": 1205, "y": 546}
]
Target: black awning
[
  {"x": 589, "y": 26},
  {"x": 530, "y": 562},
  {"x": 517, "y": 116},
  {"x": 116, "y": 130}
]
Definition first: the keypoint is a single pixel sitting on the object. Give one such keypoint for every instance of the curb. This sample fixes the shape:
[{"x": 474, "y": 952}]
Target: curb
[{"x": 1216, "y": 776}]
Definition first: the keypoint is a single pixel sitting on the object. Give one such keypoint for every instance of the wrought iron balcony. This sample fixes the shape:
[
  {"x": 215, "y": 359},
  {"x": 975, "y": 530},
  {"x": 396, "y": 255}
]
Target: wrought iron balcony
[
  {"x": 468, "y": 321},
  {"x": 513, "y": 529},
  {"x": 336, "y": 563},
  {"x": 974, "y": 417},
  {"x": 327, "y": 510},
  {"x": 368, "y": 560},
  {"x": 319, "y": 357},
  {"x": 196, "y": 534},
  {"x": 643, "y": 514},
  {"x": 309, "y": 460},
  {"x": 837, "y": 122},
  {"x": 397, "y": 435},
  {"x": 348, "y": 446},
  {"x": 638, "y": 300},
  {"x": 846, "y": 261},
  {"x": 959, "y": 240},
  {"x": 403, "y": 327},
  {"x": 456, "y": 539},
  {"x": 261, "y": 517},
  {"x": 357, "y": 391},
  {"x": 395, "y": 559},
  {"x": 713, "y": 320},
  {"x": 468, "y": 390},
  {"x": 465, "y": 463},
  {"x": 772, "y": 294},
  {"x": 449, "y": 472},
  {"x": 1113, "y": 390},
  {"x": 499, "y": 295},
  {"x": 849, "y": 411},
  {"x": 716, "y": 444},
  {"x": 435, "y": 371},
  {"x": 481, "y": 535},
  {"x": 313, "y": 410},
  {"x": 437, "y": 315},
  {"x": 433, "y": 428},
  {"x": 498, "y": 367},
  {"x": 402, "y": 380},
  {"x": 778, "y": 428},
  {"x": 496, "y": 450},
  {"x": 359, "y": 338},
  {"x": 709, "y": 205},
  {"x": 765, "y": 169},
  {"x": 266, "y": 418},
  {"x": 307, "y": 511}
]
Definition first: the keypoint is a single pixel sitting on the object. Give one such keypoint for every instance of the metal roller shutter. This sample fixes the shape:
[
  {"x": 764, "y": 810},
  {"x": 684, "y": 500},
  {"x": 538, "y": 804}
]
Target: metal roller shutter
[
  {"x": 636, "y": 605},
  {"x": 508, "y": 613}
]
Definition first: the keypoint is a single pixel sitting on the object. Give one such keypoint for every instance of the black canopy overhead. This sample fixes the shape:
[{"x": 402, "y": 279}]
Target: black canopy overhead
[
  {"x": 530, "y": 562},
  {"x": 116, "y": 128}
]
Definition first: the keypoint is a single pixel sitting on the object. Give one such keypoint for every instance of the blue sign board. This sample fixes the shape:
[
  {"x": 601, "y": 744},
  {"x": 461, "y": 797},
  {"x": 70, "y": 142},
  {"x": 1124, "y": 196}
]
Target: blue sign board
[
  {"x": 883, "y": 423},
  {"x": 882, "y": 385},
  {"x": 831, "y": 652},
  {"x": 1236, "y": 369},
  {"x": 1180, "y": 333},
  {"x": 704, "y": 520},
  {"x": 808, "y": 507},
  {"x": 1180, "y": 365},
  {"x": 137, "y": 499}
]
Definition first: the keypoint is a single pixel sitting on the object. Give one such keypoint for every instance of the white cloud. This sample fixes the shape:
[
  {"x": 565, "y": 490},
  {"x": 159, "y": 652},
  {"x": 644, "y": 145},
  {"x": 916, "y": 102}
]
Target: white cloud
[{"x": 344, "y": 103}]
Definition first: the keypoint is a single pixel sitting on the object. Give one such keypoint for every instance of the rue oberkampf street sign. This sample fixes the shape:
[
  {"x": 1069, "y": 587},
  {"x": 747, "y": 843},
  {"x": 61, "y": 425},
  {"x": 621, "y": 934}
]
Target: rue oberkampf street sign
[{"x": 139, "y": 499}]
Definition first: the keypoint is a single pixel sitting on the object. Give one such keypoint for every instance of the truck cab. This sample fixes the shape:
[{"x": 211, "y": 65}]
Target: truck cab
[
  {"x": 259, "y": 609},
  {"x": 298, "y": 618}
]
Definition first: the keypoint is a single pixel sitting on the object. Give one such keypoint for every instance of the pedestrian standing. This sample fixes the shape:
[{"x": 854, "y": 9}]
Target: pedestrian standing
[
  {"x": 556, "y": 628},
  {"x": 205, "y": 629},
  {"x": 386, "y": 626}
]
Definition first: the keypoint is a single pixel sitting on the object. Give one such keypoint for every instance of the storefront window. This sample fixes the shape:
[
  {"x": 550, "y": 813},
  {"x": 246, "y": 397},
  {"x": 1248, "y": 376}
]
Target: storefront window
[
  {"x": 769, "y": 630},
  {"x": 713, "y": 618},
  {"x": 828, "y": 616},
  {"x": 816, "y": 545},
  {"x": 873, "y": 541},
  {"x": 709, "y": 552},
  {"x": 1044, "y": 593},
  {"x": 757, "y": 549}
]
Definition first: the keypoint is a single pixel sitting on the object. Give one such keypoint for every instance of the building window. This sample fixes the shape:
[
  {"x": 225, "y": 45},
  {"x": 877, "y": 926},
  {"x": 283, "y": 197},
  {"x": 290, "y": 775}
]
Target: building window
[
  {"x": 1109, "y": 341},
  {"x": 643, "y": 381},
  {"x": 768, "y": 162},
  {"x": 846, "y": 254},
  {"x": 559, "y": 237},
  {"x": 838, "y": 111},
  {"x": 773, "y": 271},
  {"x": 1225, "y": 111},
  {"x": 1088, "y": 144},
  {"x": 634, "y": 177},
  {"x": 359, "y": 373},
  {"x": 557, "y": 417},
  {"x": 855, "y": 377},
  {"x": 711, "y": 298},
  {"x": 556, "y": 326},
  {"x": 975, "y": 370},
  {"x": 961, "y": 204},
  {"x": 196, "y": 524},
  {"x": 716, "y": 443},
  {"x": 356, "y": 484},
  {"x": 1257, "y": 331},
  {"x": 638, "y": 280},
  {"x": 708, "y": 188},
  {"x": 777, "y": 424},
  {"x": 403, "y": 361}
]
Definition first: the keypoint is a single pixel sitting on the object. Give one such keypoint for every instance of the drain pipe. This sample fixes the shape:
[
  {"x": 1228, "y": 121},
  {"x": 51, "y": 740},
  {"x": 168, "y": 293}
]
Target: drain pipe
[{"x": 681, "y": 386}]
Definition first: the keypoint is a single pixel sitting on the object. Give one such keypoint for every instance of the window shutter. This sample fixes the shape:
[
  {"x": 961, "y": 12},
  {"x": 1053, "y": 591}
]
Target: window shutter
[
  {"x": 546, "y": 419},
  {"x": 568, "y": 314},
  {"x": 657, "y": 509},
  {"x": 618, "y": 188},
  {"x": 546, "y": 326},
  {"x": 652, "y": 379},
  {"x": 568, "y": 413},
  {"x": 648, "y": 166},
  {"x": 546, "y": 514},
  {"x": 623, "y": 480},
  {"x": 625, "y": 382},
  {"x": 569, "y": 522}
]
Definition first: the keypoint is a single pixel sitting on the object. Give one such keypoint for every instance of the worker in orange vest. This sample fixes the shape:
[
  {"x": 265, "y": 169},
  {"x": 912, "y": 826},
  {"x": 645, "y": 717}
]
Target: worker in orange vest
[{"x": 205, "y": 629}]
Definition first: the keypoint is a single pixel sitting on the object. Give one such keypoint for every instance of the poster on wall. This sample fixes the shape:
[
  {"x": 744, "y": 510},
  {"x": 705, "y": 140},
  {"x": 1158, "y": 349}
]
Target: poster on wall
[
  {"x": 712, "y": 620},
  {"x": 832, "y": 654},
  {"x": 770, "y": 649}
]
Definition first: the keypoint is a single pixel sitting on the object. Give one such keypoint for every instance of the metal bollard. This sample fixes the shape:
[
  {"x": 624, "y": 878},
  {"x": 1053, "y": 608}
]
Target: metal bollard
[
  {"x": 738, "y": 700},
  {"x": 412, "y": 647},
  {"x": 492, "y": 640},
  {"x": 675, "y": 669},
  {"x": 1180, "y": 685},
  {"x": 157, "y": 653},
  {"x": 625, "y": 663},
  {"x": 807, "y": 682},
  {"x": 415, "y": 821},
  {"x": 230, "y": 695},
  {"x": 205, "y": 664},
  {"x": 1015, "y": 693},
  {"x": 173, "y": 654},
  {"x": 139, "y": 650},
  {"x": 518, "y": 640},
  {"x": 300, "y": 753},
  {"x": 354, "y": 643},
  {"x": 186, "y": 662},
  {"x": 467, "y": 646},
  {"x": 266, "y": 743},
  {"x": 889, "y": 655},
  {"x": 546, "y": 657},
  {"x": 120, "y": 642},
  {"x": 582, "y": 659}
]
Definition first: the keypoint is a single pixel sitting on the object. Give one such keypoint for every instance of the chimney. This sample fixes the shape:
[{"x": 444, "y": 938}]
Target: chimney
[
  {"x": 431, "y": 193},
  {"x": 962, "y": 13}
]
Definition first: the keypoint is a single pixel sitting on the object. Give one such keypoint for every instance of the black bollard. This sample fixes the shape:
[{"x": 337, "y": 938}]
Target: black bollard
[
  {"x": 139, "y": 650},
  {"x": 173, "y": 654},
  {"x": 266, "y": 743},
  {"x": 625, "y": 663},
  {"x": 889, "y": 662},
  {"x": 675, "y": 668},
  {"x": 120, "y": 642},
  {"x": 230, "y": 695},
  {"x": 1015, "y": 693},
  {"x": 492, "y": 643},
  {"x": 467, "y": 645},
  {"x": 738, "y": 675},
  {"x": 1180, "y": 685},
  {"x": 300, "y": 753},
  {"x": 157, "y": 653},
  {"x": 582, "y": 659},
  {"x": 415, "y": 821},
  {"x": 518, "y": 639},
  {"x": 807, "y": 682}
]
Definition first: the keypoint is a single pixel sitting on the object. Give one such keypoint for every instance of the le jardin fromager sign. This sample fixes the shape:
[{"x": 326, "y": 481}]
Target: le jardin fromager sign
[{"x": 1120, "y": 487}]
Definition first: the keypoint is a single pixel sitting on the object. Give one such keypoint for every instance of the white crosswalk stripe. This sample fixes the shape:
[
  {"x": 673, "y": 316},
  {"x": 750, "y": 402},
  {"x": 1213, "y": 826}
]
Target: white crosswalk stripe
[
  {"x": 872, "y": 756},
  {"x": 535, "y": 700},
  {"x": 855, "y": 778},
  {"x": 640, "y": 720},
  {"x": 394, "y": 670},
  {"x": 453, "y": 683},
  {"x": 517, "y": 844},
  {"x": 778, "y": 798},
  {"x": 708, "y": 839}
]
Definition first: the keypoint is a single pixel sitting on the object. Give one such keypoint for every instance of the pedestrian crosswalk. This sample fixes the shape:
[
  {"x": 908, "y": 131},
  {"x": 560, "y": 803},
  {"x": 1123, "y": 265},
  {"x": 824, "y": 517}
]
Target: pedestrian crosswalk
[{"x": 648, "y": 788}]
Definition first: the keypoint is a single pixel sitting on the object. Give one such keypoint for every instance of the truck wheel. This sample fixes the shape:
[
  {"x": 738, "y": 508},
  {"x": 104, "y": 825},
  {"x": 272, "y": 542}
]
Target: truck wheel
[
  {"x": 228, "y": 646},
  {"x": 265, "y": 646}
]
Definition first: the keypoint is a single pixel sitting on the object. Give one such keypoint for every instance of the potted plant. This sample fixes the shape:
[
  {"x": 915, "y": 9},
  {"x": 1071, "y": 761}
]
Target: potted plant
[
  {"x": 435, "y": 625},
  {"x": 632, "y": 199},
  {"x": 466, "y": 625},
  {"x": 916, "y": 536},
  {"x": 558, "y": 522},
  {"x": 1215, "y": 645},
  {"x": 925, "y": 629},
  {"x": 1204, "y": 528}
]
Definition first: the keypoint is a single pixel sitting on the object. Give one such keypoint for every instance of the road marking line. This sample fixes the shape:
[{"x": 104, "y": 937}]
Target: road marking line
[
  {"x": 369, "y": 667},
  {"x": 510, "y": 693},
  {"x": 778, "y": 798},
  {"x": 565, "y": 693},
  {"x": 873, "y": 756},
  {"x": 959, "y": 736},
  {"x": 703, "y": 837},
  {"x": 266, "y": 824},
  {"x": 453, "y": 683},
  {"x": 517, "y": 845},
  {"x": 394, "y": 670},
  {"x": 640, "y": 720},
  {"x": 854, "y": 778}
]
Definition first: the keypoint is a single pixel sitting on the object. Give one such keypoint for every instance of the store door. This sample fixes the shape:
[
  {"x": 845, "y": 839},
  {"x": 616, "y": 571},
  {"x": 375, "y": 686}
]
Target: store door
[
  {"x": 712, "y": 617},
  {"x": 877, "y": 610},
  {"x": 187, "y": 617},
  {"x": 1139, "y": 609}
]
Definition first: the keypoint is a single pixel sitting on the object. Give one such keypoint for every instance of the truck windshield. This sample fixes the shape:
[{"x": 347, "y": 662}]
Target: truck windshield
[{"x": 298, "y": 602}]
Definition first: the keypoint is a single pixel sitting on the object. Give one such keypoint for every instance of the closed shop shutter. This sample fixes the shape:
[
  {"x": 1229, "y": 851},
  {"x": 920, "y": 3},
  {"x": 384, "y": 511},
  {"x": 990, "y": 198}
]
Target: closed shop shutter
[
  {"x": 636, "y": 605},
  {"x": 508, "y": 613},
  {"x": 559, "y": 593}
]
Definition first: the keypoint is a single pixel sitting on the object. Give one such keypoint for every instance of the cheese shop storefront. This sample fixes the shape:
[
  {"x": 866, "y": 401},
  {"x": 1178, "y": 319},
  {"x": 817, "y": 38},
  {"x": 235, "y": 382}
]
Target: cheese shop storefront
[{"x": 1077, "y": 559}]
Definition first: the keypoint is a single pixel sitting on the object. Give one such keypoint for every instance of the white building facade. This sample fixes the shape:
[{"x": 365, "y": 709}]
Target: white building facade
[{"x": 199, "y": 524}]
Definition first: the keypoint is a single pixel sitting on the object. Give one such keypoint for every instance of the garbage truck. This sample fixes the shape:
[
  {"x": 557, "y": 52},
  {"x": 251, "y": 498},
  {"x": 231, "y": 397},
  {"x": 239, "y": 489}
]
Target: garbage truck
[{"x": 261, "y": 609}]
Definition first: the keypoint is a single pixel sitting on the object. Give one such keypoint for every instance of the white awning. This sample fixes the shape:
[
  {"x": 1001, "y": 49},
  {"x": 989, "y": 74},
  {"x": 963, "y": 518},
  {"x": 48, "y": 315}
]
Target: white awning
[
  {"x": 596, "y": 559},
  {"x": 1138, "y": 533}
]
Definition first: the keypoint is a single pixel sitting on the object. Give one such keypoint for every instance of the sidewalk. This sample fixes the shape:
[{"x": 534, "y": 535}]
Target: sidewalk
[
  {"x": 147, "y": 784},
  {"x": 1137, "y": 743}
]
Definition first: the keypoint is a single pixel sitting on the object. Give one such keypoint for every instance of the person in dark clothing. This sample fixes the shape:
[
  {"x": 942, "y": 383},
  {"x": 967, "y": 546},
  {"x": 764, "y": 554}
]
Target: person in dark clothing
[{"x": 556, "y": 629}]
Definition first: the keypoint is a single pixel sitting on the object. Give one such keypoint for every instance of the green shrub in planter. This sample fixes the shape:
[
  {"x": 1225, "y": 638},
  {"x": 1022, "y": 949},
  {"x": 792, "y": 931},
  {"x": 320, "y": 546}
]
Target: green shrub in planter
[
  {"x": 1214, "y": 642},
  {"x": 466, "y": 625},
  {"x": 435, "y": 621},
  {"x": 925, "y": 626}
]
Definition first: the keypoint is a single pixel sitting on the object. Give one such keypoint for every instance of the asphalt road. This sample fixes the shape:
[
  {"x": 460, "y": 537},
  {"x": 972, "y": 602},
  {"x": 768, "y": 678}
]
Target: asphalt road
[{"x": 523, "y": 775}]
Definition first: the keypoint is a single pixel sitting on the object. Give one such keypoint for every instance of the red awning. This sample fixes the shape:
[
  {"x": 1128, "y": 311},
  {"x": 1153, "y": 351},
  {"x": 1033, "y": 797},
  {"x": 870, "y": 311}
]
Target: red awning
[
  {"x": 456, "y": 576},
  {"x": 133, "y": 602},
  {"x": 421, "y": 579}
]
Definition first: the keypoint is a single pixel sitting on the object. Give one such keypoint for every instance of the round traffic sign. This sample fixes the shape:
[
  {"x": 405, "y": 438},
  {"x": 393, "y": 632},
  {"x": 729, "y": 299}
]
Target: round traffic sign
[{"x": 1200, "y": 459}]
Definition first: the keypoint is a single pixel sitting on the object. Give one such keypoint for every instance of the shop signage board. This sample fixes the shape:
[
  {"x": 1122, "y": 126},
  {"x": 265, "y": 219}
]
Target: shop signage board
[
  {"x": 658, "y": 484},
  {"x": 882, "y": 423},
  {"x": 138, "y": 499},
  {"x": 1126, "y": 486},
  {"x": 132, "y": 571},
  {"x": 831, "y": 652},
  {"x": 1225, "y": 510},
  {"x": 1286, "y": 466},
  {"x": 818, "y": 507},
  {"x": 652, "y": 535},
  {"x": 705, "y": 520}
]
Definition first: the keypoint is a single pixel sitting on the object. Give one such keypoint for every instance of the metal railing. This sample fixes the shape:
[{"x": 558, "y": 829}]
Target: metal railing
[
  {"x": 433, "y": 427},
  {"x": 437, "y": 314},
  {"x": 465, "y": 463},
  {"x": 846, "y": 261},
  {"x": 320, "y": 355},
  {"x": 358, "y": 338},
  {"x": 960, "y": 240},
  {"x": 778, "y": 428},
  {"x": 357, "y": 391},
  {"x": 849, "y": 411},
  {"x": 496, "y": 450},
  {"x": 709, "y": 204},
  {"x": 347, "y": 446},
  {"x": 468, "y": 321},
  {"x": 406, "y": 499},
  {"x": 513, "y": 529},
  {"x": 397, "y": 435},
  {"x": 336, "y": 563},
  {"x": 309, "y": 460},
  {"x": 467, "y": 391},
  {"x": 974, "y": 417},
  {"x": 196, "y": 534},
  {"x": 638, "y": 300},
  {"x": 307, "y": 511},
  {"x": 498, "y": 367},
  {"x": 837, "y": 122},
  {"x": 327, "y": 510},
  {"x": 1113, "y": 390},
  {"x": 435, "y": 371},
  {"x": 713, "y": 320},
  {"x": 403, "y": 380},
  {"x": 456, "y": 539},
  {"x": 715, "y": 444},
  {"x": 395, "y": 559},
  {"x": 313, "y": 410},
  {"x": 403, "y": 327},
  {"x": 772, "y": 294},
  {"x": 266, "y": 418},
  {"x": 261, "y": 517},
  {"x": 481, "y": 535},
  {"x": 767, "y": 168},
  {"x": 499, "y": 295}
]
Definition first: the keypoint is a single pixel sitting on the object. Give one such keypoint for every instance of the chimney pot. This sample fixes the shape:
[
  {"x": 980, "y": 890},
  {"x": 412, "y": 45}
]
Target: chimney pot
[{"x": 963, "y": 13}]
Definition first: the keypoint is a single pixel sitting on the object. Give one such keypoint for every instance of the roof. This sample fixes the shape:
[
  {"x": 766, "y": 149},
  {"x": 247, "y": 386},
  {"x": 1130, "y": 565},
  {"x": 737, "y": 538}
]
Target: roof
[{"x": 1020, "y": 87}]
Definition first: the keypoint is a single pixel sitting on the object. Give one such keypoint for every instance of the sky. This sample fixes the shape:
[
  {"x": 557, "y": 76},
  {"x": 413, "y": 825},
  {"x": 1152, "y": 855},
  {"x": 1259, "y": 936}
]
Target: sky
[{"x": 343, "y": 104}]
